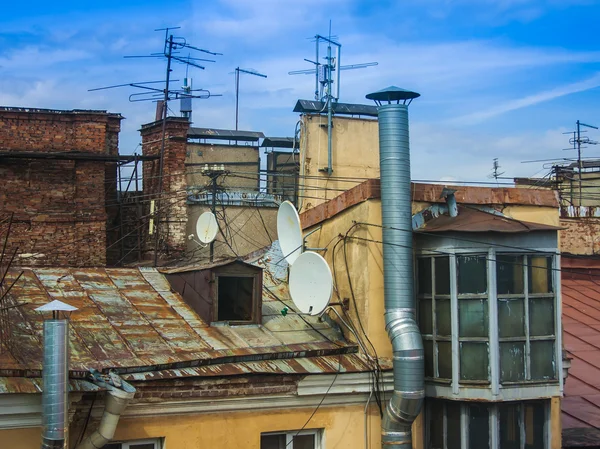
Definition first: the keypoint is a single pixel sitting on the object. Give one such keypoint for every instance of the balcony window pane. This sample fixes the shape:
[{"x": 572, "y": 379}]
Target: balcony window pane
[
  {"x": 442, "y": 317},
  {"x": 445, "y": 359},
  {"x": 540, "y": 274},
  {"x": 425, "y": 316},
  {"x": 510, "y": 432},
  {"x": 428, "y": 350},
  {"x": 512, "y": 361},
  {"x": 543, "y": 364},
  {"x": 509, "y": 274},
  {"x": 473, "y": 317},
  {"x": 452, "y": 425},
  {"x": 424, "y": 276},
  {"x": 271, "y": 441},
  {"x": 511, "y": 318},
  {"x": 541, "y": 316},
  {"x": 436, "y": 424},
  {"x": 479, "y": 427},
  {"x": 474, "y": 361},
  {"x": 442, "y": 275},
  {"x": 472, "y": 274},
  {"x": 535, "y": 418},
  {"x": 304, "y": 442}
]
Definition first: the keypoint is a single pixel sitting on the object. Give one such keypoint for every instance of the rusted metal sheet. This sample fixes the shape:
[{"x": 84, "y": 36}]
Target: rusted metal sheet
[
  {"x": 470, "y": 219},
  {"x": 130, "y": 320},
  {"x": 346, "y": 363}
]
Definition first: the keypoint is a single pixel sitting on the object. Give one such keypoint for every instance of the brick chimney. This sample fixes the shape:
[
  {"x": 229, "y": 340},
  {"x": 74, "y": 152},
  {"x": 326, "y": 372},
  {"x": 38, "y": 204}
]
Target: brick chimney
[{"x": 173, "y": 208}]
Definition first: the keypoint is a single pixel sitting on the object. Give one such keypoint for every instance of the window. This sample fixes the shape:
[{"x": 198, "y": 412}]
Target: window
[
  {"x": 525, "y": 318},
  {"x": 235, "y": 298},
  {"x": 434, "y": 315},
  {"x": 519, "y": 425},
  {"x": 305, "y": 439},
  {"x": 458, "y": 311},
  {"x": 138, "y": 444},
  {"x": 237, "y": 293}
]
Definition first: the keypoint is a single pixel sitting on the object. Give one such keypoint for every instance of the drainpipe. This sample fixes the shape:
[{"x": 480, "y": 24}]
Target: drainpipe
[
  {"x": 396, "y": 209},
  {"x": 116, "y": 399}
]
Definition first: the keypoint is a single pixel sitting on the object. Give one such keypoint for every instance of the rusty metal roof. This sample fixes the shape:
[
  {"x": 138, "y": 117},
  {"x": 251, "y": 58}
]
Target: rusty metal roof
[
  {"x": 581, "y": 330},
  {"x": 224, "y": 134},
  {"x": 470, "y": 219},
  {"x": 131, "y": 321}
]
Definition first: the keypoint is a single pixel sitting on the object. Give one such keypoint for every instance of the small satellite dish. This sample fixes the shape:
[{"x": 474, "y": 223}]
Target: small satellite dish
[
  {"x": 289, "y": 232},
  {"x": 311, "y": 283},
  {"x": 207, "y": 227}
]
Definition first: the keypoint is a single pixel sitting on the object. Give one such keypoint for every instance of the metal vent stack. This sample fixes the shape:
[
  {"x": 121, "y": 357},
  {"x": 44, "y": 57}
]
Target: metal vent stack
[{"x": 396, "y": 209}]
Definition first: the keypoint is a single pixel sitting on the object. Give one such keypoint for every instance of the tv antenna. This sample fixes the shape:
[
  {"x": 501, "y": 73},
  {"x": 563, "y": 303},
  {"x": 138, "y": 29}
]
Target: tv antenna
[
  {"x": 237, "y": 72},
  {"x": 324, "y": 83},
  {"x": 173, "y": 45},
  {"x": 578, "y": 141},
  {"x": 496, "y": 173}
]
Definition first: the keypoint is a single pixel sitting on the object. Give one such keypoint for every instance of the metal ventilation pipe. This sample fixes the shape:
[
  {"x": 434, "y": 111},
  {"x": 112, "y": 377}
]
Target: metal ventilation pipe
[
  {"x": 55, "y": 377},
  {"x": 396, "y": 208},
  {"x": 116, "y": 402}
]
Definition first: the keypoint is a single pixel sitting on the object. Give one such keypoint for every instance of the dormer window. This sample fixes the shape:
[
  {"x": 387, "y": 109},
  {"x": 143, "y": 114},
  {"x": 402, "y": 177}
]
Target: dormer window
[{"x": 227, "y": 292}]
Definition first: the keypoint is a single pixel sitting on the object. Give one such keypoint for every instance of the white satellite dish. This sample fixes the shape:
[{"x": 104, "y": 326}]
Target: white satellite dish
[
  {"x": 289, "y": 232},
  {"x": 311, "y": 283},
  {"x": 207, "y": 227}
]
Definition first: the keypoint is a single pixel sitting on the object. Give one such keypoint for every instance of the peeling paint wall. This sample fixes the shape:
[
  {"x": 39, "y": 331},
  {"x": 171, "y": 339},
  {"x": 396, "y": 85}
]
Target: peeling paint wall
[{"x": 355, "y": 154}]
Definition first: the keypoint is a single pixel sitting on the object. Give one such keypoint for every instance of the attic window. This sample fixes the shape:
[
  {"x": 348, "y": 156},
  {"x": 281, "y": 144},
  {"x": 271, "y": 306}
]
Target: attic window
[{"x": 235, "y": 298}]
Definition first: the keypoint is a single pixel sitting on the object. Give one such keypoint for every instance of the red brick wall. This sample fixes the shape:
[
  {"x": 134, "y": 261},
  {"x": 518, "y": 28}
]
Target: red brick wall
[
  {"x": 173, "y": 207},
  {"x": 60, "y": 214}
]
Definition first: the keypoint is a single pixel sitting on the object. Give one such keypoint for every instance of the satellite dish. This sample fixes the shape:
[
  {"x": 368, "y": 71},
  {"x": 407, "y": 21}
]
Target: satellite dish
[
  {"x": 289, "y": 232},
  {"x": 207, "y": 227},
  {"x": 311, "y": 283}
]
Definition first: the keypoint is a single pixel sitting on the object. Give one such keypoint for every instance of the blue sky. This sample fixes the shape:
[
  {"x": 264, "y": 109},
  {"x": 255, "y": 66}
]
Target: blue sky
[{"x": 498, "y": 78}]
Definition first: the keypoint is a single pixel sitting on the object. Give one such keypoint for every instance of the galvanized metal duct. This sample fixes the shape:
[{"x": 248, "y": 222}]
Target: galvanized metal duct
[
  {"x": 116, "y": 402},
  {"x": 407, "y": 398},
  {"x": 55, "y": 377}
]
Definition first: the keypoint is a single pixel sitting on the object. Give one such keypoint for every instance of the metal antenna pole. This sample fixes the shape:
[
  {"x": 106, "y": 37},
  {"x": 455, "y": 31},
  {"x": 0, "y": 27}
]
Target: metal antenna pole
[
  {"x": 168, "y": 53},
  {"x": 237, "y": 72},
  {"x": 579, "y": 159},
  {"x": 329, "y": 111},
  {"x": 237, "y": 98}
]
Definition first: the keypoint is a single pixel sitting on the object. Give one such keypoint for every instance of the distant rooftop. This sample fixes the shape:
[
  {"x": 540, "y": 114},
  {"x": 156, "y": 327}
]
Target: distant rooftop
[
  {"x": 318, "y": 107},
  {"x": 57, "y": 111},
  {"x": 278, "y": 142},
  {"x": 224, "y": 134}
]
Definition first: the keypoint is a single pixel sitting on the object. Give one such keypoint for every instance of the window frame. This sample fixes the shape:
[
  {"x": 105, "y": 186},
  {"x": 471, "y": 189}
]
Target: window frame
[
  {"x": 456, "y": 385},
  {"x": 235, "y": 272},
  {"x": 157, "y": 442},
  {"x": 290, "y": 434},
  {"x": 493, "y": 421}
]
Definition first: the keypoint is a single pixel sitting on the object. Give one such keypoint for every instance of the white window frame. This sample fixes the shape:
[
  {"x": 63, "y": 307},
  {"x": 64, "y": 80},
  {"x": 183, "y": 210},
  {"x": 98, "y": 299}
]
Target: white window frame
[
  {"x": 494, "y": 423},
  {"x": 157, "y": 442},
  {"x": 290, "y": 434},
  {"x": 495, "y": 389}
]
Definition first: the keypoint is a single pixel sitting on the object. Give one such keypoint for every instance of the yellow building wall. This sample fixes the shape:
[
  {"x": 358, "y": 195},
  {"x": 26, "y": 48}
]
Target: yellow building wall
[
  {"x": 355, "y": 154},
  {"x": 344, "y": 427},
  {"x": 27, "y": 438}
]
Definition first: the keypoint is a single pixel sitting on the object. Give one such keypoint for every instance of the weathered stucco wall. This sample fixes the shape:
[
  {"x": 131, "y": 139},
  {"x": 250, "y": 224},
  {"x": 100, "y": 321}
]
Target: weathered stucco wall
[
  {"x": 247, "y": 229},
  {"x": 580, "y": 236},
  {"x": 243, "y": 161},
  {"x": 355, "y": 154}
]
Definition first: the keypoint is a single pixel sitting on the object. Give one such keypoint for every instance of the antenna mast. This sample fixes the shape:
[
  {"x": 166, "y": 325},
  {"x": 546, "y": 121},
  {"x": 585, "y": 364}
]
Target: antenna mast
[
  {"x": 172, "y": 46},
  {"x": 237, "y": 88},
  {"x": 577, "y": 141},
  {"x": 324, "y": 82}
]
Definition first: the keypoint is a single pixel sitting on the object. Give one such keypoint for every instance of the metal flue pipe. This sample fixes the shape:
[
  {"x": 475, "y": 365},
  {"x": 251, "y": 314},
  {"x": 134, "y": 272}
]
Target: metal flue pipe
[
  {"x": 403, "y": 331},
  {"x": 55, "y": 376}
]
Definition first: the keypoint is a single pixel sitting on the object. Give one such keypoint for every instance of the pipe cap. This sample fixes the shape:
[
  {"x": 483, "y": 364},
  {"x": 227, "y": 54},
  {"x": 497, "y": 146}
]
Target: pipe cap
[{"x": 393, "y": 94}]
